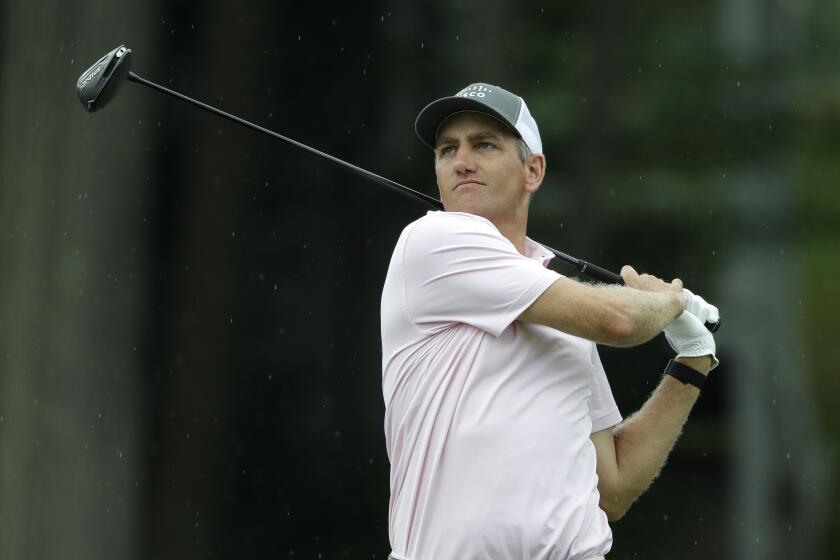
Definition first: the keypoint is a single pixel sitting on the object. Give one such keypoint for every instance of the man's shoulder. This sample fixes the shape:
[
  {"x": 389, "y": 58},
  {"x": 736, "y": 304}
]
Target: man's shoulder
[
  {"x": 439, "y": 223},
  {"x": 439, "y": 237}
]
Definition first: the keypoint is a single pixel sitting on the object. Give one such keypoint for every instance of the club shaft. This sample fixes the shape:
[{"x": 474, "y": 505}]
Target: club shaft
[
  {"x": 433, "y": 202},
  {"x": 582, "y": 267}
]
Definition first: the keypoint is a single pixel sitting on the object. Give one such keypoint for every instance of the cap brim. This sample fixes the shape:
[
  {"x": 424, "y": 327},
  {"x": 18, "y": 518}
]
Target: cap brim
[{"x": 432, "y": 116}]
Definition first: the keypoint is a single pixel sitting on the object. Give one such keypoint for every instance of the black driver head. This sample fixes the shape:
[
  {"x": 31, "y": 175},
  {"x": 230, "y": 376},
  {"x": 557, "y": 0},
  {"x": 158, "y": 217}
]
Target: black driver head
[{"x": 99, "y": 83}]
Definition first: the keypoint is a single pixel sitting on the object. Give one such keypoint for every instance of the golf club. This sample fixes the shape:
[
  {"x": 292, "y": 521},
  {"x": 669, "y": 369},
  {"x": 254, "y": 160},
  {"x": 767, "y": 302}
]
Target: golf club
[{"x": 98, "y": 85}]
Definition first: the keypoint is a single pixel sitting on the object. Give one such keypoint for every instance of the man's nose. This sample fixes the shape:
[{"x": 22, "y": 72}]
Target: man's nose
[{"x": 463, "y": 162}]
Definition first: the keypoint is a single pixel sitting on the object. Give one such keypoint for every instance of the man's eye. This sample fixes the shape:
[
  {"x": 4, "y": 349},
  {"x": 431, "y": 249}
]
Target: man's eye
[
  {"x": 485, "y": 146},
  {"x": 447, "y": 150}
]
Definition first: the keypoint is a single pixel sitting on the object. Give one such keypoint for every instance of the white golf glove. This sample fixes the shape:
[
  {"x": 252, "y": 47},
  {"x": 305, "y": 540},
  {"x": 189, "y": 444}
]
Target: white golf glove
[
  {"x": 689, "y": 337},
  {"x": 700, "y": 308}
]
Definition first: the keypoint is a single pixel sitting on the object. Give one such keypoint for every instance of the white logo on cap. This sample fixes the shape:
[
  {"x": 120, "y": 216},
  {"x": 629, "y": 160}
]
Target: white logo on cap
[{"x": 474, "y": 91}]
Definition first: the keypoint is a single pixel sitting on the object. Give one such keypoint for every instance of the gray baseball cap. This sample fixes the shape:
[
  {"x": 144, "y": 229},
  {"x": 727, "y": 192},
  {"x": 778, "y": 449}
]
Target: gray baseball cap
[{"x": 491, "y": 100}]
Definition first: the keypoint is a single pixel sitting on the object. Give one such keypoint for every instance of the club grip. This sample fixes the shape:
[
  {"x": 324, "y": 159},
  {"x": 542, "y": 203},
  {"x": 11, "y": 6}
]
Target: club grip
[{"x": 595, "y": 272}]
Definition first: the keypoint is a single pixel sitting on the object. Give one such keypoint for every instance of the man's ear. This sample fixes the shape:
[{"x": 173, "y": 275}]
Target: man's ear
[{"x": 534, "y": 172}]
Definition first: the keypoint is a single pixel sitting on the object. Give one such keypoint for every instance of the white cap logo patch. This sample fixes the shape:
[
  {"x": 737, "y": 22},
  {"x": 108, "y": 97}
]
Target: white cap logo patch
[{"x": 478, "y": 90}]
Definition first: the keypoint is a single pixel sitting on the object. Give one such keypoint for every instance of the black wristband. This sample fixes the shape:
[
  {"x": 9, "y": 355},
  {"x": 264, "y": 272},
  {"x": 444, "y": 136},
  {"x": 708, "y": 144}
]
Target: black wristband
[{"x": 685, "y": 374}]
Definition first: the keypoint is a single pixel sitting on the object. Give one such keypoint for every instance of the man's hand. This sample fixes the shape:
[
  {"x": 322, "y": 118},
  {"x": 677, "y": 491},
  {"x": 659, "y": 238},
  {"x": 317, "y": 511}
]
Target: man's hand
[
  {"x": 693, "y": 303},
  {"x": 700, "y": 308},
  {"x": 690, "y": 338},
  {"x": 647, "y": 282}
]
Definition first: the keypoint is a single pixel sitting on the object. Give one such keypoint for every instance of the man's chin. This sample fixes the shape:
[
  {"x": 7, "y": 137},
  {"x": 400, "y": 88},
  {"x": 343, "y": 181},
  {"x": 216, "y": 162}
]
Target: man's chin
[
  {"x": 474, "y": 209},
  {"x": 461, "y": 202}
]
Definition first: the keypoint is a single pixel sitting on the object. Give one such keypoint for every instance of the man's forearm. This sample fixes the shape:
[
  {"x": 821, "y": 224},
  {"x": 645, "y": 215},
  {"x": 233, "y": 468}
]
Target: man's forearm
[
  {"x": 611, "y": 315},
  {"x": 647, "y": 313},
  {"x": 643, "y": 441}
]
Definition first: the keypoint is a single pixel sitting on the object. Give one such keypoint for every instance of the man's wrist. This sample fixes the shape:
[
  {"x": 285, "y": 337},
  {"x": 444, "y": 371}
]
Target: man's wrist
[
  {"x": 703, "y": 364},
  {"x": 685, "y": 374},
  {"x": 678, "y": 303}
]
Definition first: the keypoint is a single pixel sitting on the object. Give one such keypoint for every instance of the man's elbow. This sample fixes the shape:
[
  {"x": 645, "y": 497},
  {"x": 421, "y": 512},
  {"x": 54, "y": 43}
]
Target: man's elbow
[
  {"x": 614, "y": 515},
  {"x": 615, "y": 507}
]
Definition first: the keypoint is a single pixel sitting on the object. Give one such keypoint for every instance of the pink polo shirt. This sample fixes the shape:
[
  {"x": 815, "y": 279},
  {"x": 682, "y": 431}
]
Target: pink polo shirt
[{"x": 487, "y": 419}]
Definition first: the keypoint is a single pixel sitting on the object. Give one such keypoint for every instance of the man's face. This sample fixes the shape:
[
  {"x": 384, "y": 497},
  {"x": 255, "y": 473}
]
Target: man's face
[{"x": 478, "y": 167}]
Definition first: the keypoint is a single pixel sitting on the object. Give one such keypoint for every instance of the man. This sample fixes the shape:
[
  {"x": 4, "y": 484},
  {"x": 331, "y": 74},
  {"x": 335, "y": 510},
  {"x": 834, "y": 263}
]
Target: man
[{"x": 504, "y": 438}]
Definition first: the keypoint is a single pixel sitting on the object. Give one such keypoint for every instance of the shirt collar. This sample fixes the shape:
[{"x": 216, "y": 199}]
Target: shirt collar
[{"x": 534, "y": 250}]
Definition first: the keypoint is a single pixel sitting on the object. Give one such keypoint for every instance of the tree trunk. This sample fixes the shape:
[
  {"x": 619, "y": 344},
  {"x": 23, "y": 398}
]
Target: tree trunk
[{"x": 70, "y": 297}]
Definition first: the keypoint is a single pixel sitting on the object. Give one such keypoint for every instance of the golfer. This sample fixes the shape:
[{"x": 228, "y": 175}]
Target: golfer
[{"x": 504, "y": 439}]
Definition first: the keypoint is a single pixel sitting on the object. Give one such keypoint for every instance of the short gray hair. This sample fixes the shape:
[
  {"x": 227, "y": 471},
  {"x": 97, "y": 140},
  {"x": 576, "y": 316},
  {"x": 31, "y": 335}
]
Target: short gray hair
[{"x": 525, "y": 152}]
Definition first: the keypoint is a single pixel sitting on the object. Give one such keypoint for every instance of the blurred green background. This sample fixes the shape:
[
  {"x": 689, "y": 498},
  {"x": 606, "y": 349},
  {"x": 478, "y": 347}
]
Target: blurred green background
[{"x": 189, "y": 311}]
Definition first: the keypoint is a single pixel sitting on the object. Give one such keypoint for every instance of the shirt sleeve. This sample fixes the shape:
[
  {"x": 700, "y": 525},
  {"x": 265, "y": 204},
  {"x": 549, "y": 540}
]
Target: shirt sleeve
[
  {"x": 603, "y": 411},
  {"x": 460, "y": 269}
]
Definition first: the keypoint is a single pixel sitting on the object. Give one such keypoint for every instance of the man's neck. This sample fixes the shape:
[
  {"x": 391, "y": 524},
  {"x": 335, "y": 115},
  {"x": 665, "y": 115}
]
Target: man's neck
[
  {"x": 514, "y": 230},
  {"x": 513, "y": 227}
]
